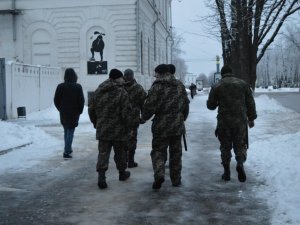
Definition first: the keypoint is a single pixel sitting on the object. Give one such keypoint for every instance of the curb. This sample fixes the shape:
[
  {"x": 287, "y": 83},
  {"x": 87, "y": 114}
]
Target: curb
[{"x": 2, "y": 152}]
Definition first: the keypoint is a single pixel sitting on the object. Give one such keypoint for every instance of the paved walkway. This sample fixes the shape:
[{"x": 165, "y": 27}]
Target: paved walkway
[{"x": 65, "y": 192}]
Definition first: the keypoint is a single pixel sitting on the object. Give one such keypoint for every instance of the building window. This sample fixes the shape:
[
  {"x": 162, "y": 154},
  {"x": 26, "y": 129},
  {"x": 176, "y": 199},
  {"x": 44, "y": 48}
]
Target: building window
[{"x": 41, "y": 48}]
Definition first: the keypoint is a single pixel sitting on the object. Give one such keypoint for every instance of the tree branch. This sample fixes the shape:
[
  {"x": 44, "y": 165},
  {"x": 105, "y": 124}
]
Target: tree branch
[{"x": 289, "y": 12}]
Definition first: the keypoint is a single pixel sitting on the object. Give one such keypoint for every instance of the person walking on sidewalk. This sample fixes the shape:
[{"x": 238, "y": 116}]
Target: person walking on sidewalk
[
  {"x": 69, "y": 101},
  {"x": 110, "y": 112},
  {"x": 236, "y": 111},
  {"x": 193, "y": 89},
  {"x": 137, "y": 97},
  {"x": 167, "y": 100}
]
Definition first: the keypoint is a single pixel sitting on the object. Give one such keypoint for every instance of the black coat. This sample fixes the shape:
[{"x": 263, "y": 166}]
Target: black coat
[{"x": 69, "y": 101}]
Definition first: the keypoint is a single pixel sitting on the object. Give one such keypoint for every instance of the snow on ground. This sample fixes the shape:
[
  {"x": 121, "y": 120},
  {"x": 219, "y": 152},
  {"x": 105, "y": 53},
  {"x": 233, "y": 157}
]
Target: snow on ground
[{"x": 273, "y": 154}]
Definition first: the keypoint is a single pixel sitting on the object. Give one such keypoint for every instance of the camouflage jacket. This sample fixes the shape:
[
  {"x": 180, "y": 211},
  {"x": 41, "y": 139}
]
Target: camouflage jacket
[
  {"x": 167, "y": 100},
  {"x": 234, "y": 100},
  {"x": 110, "y": 111},
  {"x": 137, "y": 97}
]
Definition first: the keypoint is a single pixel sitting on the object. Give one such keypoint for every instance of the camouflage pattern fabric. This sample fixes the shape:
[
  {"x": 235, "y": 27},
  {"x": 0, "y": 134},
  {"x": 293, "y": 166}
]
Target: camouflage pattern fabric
[
  {"x": 234, "y": 100},
  {"x": 131, "y": 142},
  {"x": 158, "y": 156},
  {"x": 167, "y": 100},
  {"x": 233, "y": 138},
  {"x": 137, "y": 97},
  {"x": 236, "y": 106},
  {"x": 104, "y": 148},
  {"x": 110, "y": 111}
]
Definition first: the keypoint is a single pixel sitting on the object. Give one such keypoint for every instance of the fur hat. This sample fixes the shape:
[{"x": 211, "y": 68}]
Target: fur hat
[
  {"x": 226, "y": 69},
  {"x": 115, "y": 74},
  {"x": 161, "y": 69},
  {"x": 172, "y": 69}
]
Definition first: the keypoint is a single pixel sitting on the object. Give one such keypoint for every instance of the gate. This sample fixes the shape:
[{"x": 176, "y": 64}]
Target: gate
[{"x": 3, "y": 115}]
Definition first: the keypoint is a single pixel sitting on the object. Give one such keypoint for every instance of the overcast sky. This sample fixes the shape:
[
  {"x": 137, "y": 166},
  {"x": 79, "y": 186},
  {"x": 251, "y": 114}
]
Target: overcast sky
[{"x": 200, "y": 48}]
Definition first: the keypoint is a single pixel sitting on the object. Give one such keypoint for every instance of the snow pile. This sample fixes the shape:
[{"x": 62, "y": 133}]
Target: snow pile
[{"x": 265, "y": 104}]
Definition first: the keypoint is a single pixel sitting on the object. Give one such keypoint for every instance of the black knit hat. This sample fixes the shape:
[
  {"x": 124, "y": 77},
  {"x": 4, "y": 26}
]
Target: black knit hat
[
  {"x": 161, "y": 69},
  {"x": 226, "y": 69},
  {"x": 115, "y": 74}
]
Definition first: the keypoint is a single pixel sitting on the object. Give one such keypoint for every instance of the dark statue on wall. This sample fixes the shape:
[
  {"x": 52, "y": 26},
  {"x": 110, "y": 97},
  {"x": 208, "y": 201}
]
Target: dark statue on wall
[
  {"x": 98, "y": 46},
  {"x": 93, "y": 66}
]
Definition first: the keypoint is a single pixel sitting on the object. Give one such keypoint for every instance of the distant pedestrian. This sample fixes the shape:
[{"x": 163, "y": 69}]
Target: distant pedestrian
[
  {"x": 69, "y": 101},
  {"x": 137, "y": 97},
  {"x": 167, "y": 100},
  {"x": 236, "y": 111},
  {"x": 193, "y": 89},
  {"x": 110, "y": 112}
]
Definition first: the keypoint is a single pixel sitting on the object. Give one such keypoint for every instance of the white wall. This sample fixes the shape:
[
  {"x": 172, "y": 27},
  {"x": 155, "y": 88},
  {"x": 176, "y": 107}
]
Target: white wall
[
  {"x": 57, "y": 33},
  {"x": 30, "y": 86}
]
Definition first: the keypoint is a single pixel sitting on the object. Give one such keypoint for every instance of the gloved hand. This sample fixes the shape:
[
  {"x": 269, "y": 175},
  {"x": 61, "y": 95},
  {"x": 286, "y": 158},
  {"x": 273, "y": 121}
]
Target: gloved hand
[
  {"x": 95, "y": 125},
  {"x": 251, "y": 124}
]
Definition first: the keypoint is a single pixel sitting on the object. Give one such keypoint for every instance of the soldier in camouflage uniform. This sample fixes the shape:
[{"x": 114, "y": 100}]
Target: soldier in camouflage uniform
[
  {"x": 236, "y": 111},
  {"x": 137, "y": 97},
  {"x": 109, "y": 111},
  {"x": 167, "y": 100}
]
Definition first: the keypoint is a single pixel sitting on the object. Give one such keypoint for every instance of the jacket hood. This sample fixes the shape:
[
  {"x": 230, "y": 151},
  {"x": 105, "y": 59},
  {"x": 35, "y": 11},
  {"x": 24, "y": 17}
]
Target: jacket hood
[{"x": 70, "y": 76}]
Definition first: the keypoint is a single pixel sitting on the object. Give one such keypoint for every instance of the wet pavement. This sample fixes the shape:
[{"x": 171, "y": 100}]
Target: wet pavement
[{"x": 63, "y": 192}]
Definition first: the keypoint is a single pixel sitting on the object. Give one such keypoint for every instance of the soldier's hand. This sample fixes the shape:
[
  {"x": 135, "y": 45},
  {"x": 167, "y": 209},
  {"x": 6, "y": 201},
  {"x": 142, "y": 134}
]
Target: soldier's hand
[
  {"x": 142, "y": 121},
  {"x": 251, "y": 124},
  {"x": 95, "y": 125}
]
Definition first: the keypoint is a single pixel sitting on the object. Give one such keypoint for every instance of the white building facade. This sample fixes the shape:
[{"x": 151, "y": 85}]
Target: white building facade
[
  {"x": 59, "y": 33},
  {"x": 190, "y": 78}
]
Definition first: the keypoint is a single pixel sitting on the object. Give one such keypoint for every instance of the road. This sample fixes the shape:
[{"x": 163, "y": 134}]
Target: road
[
  {"x": 65, "y": 192},
  {"x": 290, "y": 100}
]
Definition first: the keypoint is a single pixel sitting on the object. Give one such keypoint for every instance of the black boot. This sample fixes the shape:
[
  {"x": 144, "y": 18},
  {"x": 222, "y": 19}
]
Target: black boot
[
  {"x": 101, "y": 180},
  {"x": 241, "y": 172},
  {"x": 226, "y": 174},
  {"x": 124, "y": 175},
  {"x": 131, "y": 162},
  {"x": 157, "y": 183}
]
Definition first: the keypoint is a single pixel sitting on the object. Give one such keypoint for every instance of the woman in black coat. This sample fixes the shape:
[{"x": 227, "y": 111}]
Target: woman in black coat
[{"x": 69, "y": 101}]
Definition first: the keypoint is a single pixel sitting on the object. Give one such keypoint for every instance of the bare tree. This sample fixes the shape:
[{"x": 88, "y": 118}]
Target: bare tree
[
  {"x": 177, "y": 59},
  {"x": 248, "y": 27},
  {"x": 293, "y": 37}
]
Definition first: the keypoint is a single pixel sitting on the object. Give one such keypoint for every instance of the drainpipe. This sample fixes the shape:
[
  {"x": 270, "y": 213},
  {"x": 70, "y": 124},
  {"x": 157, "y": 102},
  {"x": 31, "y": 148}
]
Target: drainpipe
[
  {"x": 154, "y": 33},
  {"x": 138, "y": 33},
  {"x": 14, "y": 20},
  {"x": 169, "y": 36}
]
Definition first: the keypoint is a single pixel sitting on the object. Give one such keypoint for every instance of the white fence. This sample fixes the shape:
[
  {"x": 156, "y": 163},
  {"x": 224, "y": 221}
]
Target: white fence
[{"x": 30, "y": 86}]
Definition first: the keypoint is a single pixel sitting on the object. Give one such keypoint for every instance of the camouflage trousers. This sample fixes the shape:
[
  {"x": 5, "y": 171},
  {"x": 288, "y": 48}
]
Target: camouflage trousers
[
  {"x": 131, "y": 143},
  {"x": 235, "y": 138},
  {"x": 104, "y": 148},
  {"x": 158, "y": 156}
]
